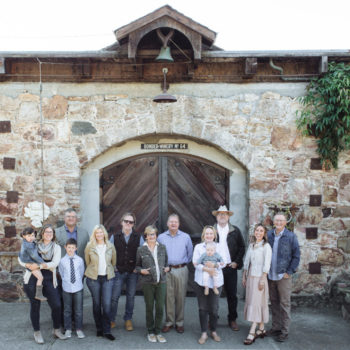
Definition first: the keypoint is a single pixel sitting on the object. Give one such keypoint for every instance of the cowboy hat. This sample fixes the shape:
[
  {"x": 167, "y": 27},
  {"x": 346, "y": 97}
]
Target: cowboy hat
[{"x": 222, "y": 209}]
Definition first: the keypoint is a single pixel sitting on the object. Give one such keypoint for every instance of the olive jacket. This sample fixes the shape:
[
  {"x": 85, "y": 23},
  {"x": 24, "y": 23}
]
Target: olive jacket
[{"x": 145, "y": 260}]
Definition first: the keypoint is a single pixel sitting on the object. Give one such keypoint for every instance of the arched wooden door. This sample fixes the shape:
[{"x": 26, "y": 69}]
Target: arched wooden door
[{"x": 154, "y": 186}]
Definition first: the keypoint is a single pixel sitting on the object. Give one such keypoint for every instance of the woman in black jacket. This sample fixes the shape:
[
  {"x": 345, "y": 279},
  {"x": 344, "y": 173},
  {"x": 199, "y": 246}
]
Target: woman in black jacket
[{"x": 152, "y": 263}]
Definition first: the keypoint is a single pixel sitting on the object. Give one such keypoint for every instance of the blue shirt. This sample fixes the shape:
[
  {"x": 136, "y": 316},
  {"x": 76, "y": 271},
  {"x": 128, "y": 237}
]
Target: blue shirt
[
  {"x": 273, "y": 275},
  {"x": 179, "y": 247},
  {"x": 64, "y": 269},
  {"x": 71, "y": 234}
]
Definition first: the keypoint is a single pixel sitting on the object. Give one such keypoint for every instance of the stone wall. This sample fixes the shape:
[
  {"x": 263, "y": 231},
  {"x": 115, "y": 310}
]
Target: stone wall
[{"x": 254, "y": 123}]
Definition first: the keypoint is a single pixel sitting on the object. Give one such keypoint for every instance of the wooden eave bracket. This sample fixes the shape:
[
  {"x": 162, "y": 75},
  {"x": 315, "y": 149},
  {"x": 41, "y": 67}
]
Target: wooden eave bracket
[
  {"x": 323, "y": 67},
  {"x": 2, "y": 65},
  {"x": 251, "y": 65}
]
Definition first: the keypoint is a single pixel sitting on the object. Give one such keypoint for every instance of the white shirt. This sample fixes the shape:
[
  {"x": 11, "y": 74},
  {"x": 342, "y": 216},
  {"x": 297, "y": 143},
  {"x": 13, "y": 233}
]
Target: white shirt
[
  {"x": 102, "y": 266},
  {"x": 223, "y": 232},
  {"x": 155, "y": 257},
  {"x": 200, "y": 249},
  {"x": 258, "y": 259}
]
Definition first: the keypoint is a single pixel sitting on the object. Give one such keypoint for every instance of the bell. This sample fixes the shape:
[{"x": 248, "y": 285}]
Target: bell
[{"x": 164, "y": 55}]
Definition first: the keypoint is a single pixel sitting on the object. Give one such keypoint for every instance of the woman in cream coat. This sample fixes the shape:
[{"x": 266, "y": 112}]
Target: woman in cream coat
[
  {"x": 256, "y": 267},
  {"x": 100, "y": 259}
]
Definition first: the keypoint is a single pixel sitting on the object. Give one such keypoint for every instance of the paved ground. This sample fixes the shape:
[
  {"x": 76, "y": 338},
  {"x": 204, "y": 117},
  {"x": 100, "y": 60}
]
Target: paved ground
[{"x": 311, "y": 329}]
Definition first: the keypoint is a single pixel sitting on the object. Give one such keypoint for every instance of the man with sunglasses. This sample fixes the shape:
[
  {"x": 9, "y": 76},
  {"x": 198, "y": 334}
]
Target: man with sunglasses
[{"x": 126, "y": 243}]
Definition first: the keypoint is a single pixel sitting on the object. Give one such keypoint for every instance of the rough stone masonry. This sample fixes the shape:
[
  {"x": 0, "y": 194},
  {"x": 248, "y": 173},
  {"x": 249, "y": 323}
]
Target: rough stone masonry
[{"x": 253, "y": 123}]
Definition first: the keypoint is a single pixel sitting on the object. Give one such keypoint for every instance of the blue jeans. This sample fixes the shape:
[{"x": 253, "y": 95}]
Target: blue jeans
[
  {"x": 101, "y": 292},
  {"x": 130, "y": 279},
  {"x": 53, "y": 299},
  {"x": 74, "y": 300}
]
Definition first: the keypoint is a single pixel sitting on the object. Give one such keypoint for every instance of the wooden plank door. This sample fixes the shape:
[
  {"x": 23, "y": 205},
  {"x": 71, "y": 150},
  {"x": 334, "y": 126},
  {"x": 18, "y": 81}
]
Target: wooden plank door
[
  {"x": 130, "y": 186},
  {"x": 155, "y": 186},
  {"x": 195, "y": 189}
]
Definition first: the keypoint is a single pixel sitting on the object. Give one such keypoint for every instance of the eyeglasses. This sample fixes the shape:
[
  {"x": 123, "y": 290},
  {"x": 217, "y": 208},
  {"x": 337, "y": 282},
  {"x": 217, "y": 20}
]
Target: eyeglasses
[
  {"x": 128, "y": 222},
  {"x": 151, "y": 234}
]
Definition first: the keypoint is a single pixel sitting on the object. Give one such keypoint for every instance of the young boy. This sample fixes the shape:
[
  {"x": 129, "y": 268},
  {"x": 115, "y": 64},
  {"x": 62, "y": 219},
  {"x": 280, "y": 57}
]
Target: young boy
[
  {"x": 212, "y": 256},
  {"x": 29, "y": 254},
  {"x": 71, "y": 269}
]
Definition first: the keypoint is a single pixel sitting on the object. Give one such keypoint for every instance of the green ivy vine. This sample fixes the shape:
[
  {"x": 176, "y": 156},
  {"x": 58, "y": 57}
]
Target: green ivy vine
[{"x": 326, "y": 113}]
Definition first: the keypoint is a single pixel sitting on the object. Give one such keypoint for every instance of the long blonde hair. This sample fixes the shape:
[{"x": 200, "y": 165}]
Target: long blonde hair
[
  {"x": 98, "y": 227},
  {"x": 211, "y": 228}
]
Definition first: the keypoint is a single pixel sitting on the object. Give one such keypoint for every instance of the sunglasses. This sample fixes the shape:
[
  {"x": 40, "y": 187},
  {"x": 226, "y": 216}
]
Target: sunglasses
[{"x": 128, "y": 222}]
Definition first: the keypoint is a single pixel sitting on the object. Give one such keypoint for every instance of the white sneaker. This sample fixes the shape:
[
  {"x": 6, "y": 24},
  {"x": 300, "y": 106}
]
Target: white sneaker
[
  {"x": 152, "y": 338},
  {"x": 80, "y": 334},
  {"x": 161, "y": 339},
  {"x": 68, "y": 333},
  {"x": 38, "y": 337},
  {"x": 58, "y": 334}
]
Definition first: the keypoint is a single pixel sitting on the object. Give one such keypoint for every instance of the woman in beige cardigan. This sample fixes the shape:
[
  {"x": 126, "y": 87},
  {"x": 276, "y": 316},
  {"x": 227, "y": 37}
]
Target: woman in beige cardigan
[
  {"x": 100, "y": 258},
  {"x": 256, "y": 267}
]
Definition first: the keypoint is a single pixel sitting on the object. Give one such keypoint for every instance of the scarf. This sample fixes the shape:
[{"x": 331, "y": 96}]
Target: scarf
[{"x": 46, "y": 251}]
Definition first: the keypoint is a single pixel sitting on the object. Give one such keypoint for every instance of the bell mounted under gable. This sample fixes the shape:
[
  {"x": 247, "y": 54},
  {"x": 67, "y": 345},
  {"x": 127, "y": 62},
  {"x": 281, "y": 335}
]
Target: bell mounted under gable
[{"x": 165, "y": 55}]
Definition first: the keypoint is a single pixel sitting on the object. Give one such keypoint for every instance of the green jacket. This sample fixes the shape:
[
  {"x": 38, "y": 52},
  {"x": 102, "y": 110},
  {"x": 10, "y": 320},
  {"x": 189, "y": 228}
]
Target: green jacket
[{"x": 145, "y": 260}]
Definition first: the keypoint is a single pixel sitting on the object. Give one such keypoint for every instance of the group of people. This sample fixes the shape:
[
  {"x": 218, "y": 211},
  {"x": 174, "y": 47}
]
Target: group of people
[{"x": 161, "y": 263}]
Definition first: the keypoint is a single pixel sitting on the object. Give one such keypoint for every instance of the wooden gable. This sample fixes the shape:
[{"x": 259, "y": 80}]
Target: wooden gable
[{"x": 165, "y": 17}]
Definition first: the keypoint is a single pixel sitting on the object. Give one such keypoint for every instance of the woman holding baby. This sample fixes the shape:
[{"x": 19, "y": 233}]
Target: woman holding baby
[{"x": 208, "y": 279}]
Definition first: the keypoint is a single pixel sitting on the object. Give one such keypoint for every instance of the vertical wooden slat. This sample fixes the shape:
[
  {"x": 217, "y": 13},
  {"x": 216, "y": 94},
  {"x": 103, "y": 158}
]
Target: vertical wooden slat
[{"x": 163, "y": 194}]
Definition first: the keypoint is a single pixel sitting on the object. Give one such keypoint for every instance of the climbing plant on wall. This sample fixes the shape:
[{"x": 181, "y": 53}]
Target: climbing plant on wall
[{"x": 326, "y": 113}]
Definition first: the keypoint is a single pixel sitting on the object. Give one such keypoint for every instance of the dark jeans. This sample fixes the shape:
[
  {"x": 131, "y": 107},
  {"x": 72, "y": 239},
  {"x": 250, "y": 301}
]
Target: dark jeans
[
  {"x": 154, "y": 295},
  {"x": 53, "y": 299},
  {"x": 101, "y": 292},
  {"x": 130, "y": 280},
  {"x": 208, "y": 306},
  {"x": 73, "y": 301},
  {"x": 230, "y": 285}
]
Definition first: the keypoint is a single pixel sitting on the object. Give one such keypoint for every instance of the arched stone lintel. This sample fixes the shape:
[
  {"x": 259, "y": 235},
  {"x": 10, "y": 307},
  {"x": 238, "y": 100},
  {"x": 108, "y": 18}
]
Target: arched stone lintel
[
  {"x": 136, "y": 36},
  {"x": 90, "y": 191}
]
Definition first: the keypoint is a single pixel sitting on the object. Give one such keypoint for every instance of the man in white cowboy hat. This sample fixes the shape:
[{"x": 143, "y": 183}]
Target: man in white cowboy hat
[{"x": 231, "y": 242}]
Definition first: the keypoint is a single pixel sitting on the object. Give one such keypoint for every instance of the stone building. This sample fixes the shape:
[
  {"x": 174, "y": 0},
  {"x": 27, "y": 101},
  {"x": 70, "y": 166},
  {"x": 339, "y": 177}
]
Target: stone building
[{"x": 81, "y": 129}]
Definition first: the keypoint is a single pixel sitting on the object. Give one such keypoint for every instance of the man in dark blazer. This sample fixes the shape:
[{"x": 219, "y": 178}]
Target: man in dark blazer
[{"x": 71, "y": 230}]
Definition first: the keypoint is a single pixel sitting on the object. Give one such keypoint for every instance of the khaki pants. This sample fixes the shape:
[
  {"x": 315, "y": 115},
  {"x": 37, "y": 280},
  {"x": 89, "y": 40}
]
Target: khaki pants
[
  {"x": 280, "y": 292},
  {"x": 176, "y": 288}
]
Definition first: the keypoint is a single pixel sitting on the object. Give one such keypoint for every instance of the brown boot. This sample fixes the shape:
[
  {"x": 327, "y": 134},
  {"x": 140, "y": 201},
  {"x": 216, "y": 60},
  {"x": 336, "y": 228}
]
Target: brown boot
[{"x": 39, "y": 293}]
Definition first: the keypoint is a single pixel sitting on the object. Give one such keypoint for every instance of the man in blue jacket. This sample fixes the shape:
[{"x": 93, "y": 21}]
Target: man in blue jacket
[{"x": 285, "y": 260}]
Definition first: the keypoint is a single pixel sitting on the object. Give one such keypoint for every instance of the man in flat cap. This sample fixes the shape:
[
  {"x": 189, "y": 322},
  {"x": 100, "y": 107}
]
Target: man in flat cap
[{"x": 231, "y": 242}]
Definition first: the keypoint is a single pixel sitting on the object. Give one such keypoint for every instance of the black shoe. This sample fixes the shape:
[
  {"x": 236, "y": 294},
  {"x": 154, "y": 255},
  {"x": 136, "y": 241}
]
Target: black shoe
[
  {"x": 282, "y": 338},
  {"x": 109, "y": 336},
  {"x": 99, "y": 334},
  {"x": 273, "y": 332}
]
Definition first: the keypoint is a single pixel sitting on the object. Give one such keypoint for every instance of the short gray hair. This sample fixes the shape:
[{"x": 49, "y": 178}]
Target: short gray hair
[
  {"x": 174, "y": 216},
  {"x": 280, "y": 213}
]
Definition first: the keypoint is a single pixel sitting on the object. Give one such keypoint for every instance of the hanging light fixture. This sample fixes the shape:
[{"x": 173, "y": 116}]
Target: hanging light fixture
[{"x": 164, "y": 97}]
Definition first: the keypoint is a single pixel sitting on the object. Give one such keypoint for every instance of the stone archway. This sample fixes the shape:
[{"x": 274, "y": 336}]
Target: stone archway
[{"x": 90, "y": 180}]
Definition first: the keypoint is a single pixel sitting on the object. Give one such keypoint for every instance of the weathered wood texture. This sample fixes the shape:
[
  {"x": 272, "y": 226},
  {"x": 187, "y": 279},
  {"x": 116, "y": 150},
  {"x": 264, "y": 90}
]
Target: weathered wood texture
[
  {"x": 122, "y": 70},
  {"x": 155, "y": 186}
]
